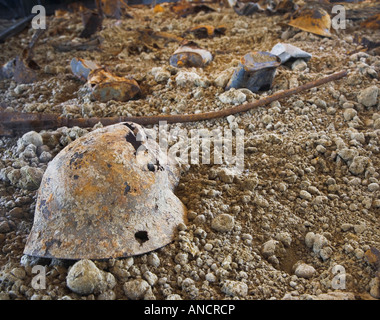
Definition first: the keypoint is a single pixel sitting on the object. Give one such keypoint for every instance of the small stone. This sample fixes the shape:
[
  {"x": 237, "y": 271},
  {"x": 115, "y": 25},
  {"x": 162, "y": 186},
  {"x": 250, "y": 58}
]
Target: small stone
[
  {"x": 85, "y": 278},
  {"x": 235, "y": 288},
  {"x": 137, "y": 289},
  {"x": 304, "y": 270},
  {"x": 223, "y": 223},
  {"x": 325, "y": 253},
  {"x": 267, "y": 119},
  {"x": 309, "y": 239},
  {"x": 45, "y": 157},
  {"x": 346, "y": 226},
  {"x": 186, "y": 78},
  {"x": 319, "y": 242},
  {"x": 269, "y": 248},
  {"x": 358, "y": 165},
  {"x": 373, "y": 187},
  {"x": 210, "y": 277},
  {"x": 359, "y": 228},
  {"x": 4, "y": 227},
  {"x": 305, "y": 195},
  {"x": 359, "y": 253},
  {"x": 347, "y": 154},
  {"x": 368, "y": 97},
  {"x": 150, "y": 277},
  {"x": 232, "y": 96},
  {"x": 299, "y": 65},
  {"x": 349, "y": 114},
  {"x": 181, "y": 258},
  {"x": 375, "y": 287},
  {"x": 376, "y": 124},
  {"x": 30, "y": 177},
  {"x": 154, "y": 260},
  {"x": 32, "y": 137}
]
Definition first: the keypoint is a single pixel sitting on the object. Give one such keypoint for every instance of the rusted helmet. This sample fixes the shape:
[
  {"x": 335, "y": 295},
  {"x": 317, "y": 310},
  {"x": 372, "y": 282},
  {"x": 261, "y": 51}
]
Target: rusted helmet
[
  {"x": 314, "y": 20},
  {"x": 108, "y": 194}
]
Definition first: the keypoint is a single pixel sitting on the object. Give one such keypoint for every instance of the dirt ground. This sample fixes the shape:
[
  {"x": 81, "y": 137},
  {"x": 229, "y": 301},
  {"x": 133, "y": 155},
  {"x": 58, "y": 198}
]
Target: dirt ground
[{"x": 302, "y": 214}]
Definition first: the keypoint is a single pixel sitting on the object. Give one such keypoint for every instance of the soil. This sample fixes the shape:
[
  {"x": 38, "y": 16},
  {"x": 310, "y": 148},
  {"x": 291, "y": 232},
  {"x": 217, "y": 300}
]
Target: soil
[{"x": 311, "y": 161}]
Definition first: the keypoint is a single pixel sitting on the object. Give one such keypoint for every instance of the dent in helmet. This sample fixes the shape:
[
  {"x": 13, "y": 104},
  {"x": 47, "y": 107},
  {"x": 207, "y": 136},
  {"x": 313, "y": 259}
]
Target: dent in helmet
[{"x": 117, "y": 207}]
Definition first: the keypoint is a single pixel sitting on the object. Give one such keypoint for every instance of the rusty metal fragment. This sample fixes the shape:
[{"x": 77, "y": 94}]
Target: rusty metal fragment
[
  {"x": 256, "y": 71},
  {"x": 315, "y": 20},
  {"x": 81, "y": 68},
  {"x": 108, "y": 194},
  {"x": 106, "y": 86},
  {"x": 190, "y": 55},
  {"x": 206, "y": 31},
  {"x": 287, "y": 52}
]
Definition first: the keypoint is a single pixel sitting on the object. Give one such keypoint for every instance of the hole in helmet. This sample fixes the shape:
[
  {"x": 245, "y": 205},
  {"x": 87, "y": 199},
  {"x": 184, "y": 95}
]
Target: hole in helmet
[
  {"x": 127, "y": 188},
  {"x": 131, "y": 138},
  {"x": 141, "y": 236},
  {"x": 151, "y": 167}
]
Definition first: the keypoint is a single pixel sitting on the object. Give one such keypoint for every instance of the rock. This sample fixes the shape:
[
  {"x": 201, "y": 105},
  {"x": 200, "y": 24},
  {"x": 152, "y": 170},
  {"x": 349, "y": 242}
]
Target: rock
[
  {"x": 45, "y": 157},
  {"x": 309, "y": 239},
  {"x": 325, "y": 253},
  {"x": 4, "y": 227},
  {"x": 319, "y": 242},
  {"x": 349, "y": 114},
  {"x": 299, "y": 65},
  {"x": 304, "y": 270},
  {"x": 358, "y": 165},
  {"x": 150, "y": 277},
  {"x": 347, "y": 154},
  {"x": 187, "y": 78},
  {"x": 181, "y": 258},
  {"x": 374, "y": 186},
  {"x": 374, "y": 285},
  {"x": 376, "y": 124},
  {"x": 269, "y": 248},
  {"x": 368, "y": 97},
  {"x": 32, "y": 137},
  {"x": 30, "y": 177},
  {"x": 235, "y": 288},
  {"x": 232, "y": 96},
  {"x": 85, "y": 278},
  {"x": 305, "y": 195},
  {"x": 137, "y": 289},
  {"x": 223, "y": 223},
  {"x": 222, "y": 79},
  {"x": 160, "y": 74},
  {"x": 154, "y": 260}
]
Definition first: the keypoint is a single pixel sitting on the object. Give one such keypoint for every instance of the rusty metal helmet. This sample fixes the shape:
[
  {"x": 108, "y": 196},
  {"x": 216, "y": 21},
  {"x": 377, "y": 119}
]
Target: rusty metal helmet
[{"x": 108, "y": 194}]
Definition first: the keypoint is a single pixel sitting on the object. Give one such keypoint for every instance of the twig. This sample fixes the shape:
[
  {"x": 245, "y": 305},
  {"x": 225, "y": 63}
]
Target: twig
[{"x": 12, "y": 123}]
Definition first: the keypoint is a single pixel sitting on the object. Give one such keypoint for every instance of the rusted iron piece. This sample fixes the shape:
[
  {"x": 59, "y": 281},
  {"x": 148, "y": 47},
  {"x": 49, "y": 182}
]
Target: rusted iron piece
[
  {"x": 315, "y": 20},
  {"x": 92, "y": 21},
  {"x": 7, "y": 69},
  {"x": 111, "y": 8},
  {"x": 247, "y": 8},
  {"x": 256, "y": 71},
  {"x": 185, "y": 8},
  {"x": 189, "y": 55},
  {"x": 106, "y": 86},
  {"x": 14, "y": 123},
  {"x": 373, "y": 257},
  {"x": 88, "y": 45},
  {"x": 81, "y": 68},
  {"x": 108, "y": 194},
  {"x": 372, "y": 22},
  {"x": 206, "y": 31},
  {"x": 287, "y": 52}
]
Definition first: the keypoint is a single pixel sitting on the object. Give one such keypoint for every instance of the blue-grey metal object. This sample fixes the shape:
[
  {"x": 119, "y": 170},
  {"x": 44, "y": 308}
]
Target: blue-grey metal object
[{"x": 255, "y": 71}]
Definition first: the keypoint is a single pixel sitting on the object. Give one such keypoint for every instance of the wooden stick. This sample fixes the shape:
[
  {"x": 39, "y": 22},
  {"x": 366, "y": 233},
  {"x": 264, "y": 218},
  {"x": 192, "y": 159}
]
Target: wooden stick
[{"x": 11, "y": 122}]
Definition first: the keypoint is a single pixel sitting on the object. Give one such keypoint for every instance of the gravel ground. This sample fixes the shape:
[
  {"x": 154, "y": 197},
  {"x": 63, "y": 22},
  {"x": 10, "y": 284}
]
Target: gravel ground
[{"x": 306, "y": 205}]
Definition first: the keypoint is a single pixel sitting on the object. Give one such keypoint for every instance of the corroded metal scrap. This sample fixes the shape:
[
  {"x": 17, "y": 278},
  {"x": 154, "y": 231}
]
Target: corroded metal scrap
[
  {"x": 108, "y": 194},
  {"x": 189, "y": 54},
  {"x": 256, "y": 71},
  {"x": 106, "y": 86}
]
